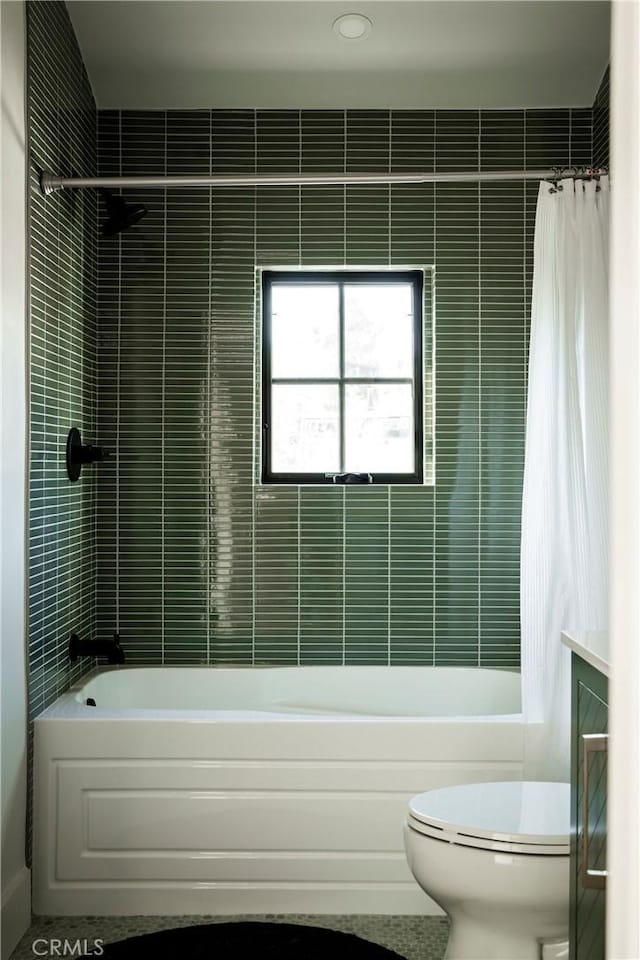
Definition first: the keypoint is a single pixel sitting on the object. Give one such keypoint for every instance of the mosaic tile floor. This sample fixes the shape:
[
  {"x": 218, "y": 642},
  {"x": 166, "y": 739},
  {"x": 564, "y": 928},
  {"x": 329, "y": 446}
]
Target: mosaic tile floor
[{"x": 415, "y": 938}]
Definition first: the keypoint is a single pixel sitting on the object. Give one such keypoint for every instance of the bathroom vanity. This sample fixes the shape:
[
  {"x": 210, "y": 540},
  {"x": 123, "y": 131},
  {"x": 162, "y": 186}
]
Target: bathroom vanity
[{"x": 589, "y": 724}]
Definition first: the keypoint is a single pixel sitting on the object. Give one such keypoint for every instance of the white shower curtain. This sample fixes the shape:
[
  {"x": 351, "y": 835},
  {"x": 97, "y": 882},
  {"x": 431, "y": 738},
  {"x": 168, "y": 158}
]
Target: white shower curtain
[{"x": 565, "y": 498}]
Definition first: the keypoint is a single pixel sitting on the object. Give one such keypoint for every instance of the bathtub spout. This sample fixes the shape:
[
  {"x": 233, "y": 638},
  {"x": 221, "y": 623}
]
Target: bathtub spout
[{"x": 110, "y": 649}]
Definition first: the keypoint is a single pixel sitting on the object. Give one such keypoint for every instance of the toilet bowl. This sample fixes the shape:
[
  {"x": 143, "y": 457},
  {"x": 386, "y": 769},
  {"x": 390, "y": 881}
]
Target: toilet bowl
[{"x": 495, "y": 857}]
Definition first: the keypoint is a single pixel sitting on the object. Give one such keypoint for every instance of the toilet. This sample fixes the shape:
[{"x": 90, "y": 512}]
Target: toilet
[{"x": 495, "y": 857}]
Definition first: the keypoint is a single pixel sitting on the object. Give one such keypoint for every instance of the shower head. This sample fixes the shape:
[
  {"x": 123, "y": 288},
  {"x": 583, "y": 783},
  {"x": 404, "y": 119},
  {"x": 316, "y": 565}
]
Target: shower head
[{"x": 121, "y": 213}]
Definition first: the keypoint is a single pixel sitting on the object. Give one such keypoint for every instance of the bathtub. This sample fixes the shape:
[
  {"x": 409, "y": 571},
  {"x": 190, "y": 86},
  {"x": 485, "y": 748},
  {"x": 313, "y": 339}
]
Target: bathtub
[{"x": 219, "y": 790}]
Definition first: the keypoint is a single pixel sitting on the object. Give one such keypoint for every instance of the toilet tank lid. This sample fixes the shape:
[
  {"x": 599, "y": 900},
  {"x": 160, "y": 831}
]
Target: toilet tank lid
[{"x": 522, "y": 811}]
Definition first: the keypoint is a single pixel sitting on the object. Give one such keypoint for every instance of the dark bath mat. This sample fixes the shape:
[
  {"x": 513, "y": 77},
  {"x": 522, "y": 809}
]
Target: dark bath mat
[{"x": 246, "y": 941}]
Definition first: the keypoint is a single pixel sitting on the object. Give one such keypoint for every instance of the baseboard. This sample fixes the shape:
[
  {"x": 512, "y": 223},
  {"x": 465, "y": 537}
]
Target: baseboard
[{"x": 16, "y": 911}]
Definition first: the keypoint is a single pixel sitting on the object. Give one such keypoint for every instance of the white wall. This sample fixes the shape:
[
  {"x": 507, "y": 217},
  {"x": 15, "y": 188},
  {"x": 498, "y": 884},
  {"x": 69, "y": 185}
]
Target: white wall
[
  {"x": 623, "y": 842},
  {"x": 16, "y": 902}
]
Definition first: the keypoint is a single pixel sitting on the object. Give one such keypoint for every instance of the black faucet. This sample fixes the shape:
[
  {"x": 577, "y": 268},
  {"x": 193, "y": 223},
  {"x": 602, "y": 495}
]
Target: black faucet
[{"x": 110, "y": 649}]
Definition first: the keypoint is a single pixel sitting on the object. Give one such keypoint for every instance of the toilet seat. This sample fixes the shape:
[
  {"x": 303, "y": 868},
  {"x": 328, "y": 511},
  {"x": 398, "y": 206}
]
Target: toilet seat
[{"x": 527, "y": 817}]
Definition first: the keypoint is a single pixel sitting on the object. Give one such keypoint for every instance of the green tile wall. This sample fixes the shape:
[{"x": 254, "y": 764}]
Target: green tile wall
[
  {"x": 601, "y": 123},
  {"x": 198, "y": 563},
  {"x": 61, "y": 286},
  {"x": 62, "y": 136}
]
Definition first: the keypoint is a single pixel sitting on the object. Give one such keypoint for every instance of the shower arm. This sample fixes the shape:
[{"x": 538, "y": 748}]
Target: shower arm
[{"x": 49, "y": 182}]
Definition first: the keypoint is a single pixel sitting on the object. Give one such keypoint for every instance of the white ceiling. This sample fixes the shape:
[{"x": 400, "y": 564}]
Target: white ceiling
[{"x": 154, "y": 54}]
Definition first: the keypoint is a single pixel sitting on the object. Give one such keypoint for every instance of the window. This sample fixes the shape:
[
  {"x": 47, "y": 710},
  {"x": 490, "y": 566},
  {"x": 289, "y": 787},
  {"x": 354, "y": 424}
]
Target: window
[{"x": 342, "y": 377}]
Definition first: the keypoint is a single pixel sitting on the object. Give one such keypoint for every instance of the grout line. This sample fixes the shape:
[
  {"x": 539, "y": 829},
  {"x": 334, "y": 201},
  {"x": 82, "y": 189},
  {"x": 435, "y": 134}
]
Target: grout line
[
  {"x": 344, "y": 188},
  {"x": 389, "y": 575},
  {"x": 95, "y": 420},
  {"x": 118, "y": 393},
  {"x": 58, "y": 213},
  {"x": 344, "y": 489},
  {"x": 96, "y": 424},
  {"x": 300, "y": 188},
  {"x": 69, "y": 492},
  {"x": 255, "y": 425},
  {"x": 389, "y": 205},
  {"x": 207, "y": 417},
  {"x": 344, "y": 576},
  {"x": 299, "y": 540},
  {"x": 434, "y": 619},
  {"x": 525, "y": 355},
  {"x": 570, "y": 136},
  {"x": 163, "y": 411},
  {"x": 68, "y": 497},
  {"x": 480, "y": 465}
]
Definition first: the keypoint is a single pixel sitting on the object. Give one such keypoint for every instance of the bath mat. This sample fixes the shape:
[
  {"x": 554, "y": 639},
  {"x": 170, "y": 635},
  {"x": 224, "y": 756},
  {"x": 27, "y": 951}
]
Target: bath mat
[{"x": 245, "y": 941}]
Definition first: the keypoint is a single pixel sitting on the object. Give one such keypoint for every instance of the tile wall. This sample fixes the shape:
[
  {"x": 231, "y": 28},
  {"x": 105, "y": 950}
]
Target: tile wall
[
  {"x": 62, "y": 318},
  {"x": 61, "y": 290},
  {"x": 197, "y": 561},
  {"x": 601, "y": 123}
]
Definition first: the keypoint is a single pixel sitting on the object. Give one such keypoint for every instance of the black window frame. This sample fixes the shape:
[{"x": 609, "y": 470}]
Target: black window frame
[{"x": 415, "y": 278}]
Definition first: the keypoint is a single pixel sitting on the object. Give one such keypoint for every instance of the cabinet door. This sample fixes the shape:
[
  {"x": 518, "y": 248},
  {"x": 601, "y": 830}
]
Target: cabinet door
[{"x": 587, "y": 899}]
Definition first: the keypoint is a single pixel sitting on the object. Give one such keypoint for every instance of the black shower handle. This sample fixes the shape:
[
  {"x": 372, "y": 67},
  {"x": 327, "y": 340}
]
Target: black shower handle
[
  {"x": 91, "y": 454},
  {"x": 79, "y": 454}
]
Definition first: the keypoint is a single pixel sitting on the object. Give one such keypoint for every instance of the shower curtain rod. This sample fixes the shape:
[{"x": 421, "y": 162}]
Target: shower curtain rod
[{"x": 49, "y": 182}]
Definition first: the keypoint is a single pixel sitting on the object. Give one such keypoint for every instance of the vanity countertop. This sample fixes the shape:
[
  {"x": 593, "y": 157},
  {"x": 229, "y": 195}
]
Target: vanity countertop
[{"x": 591, "y": 645}]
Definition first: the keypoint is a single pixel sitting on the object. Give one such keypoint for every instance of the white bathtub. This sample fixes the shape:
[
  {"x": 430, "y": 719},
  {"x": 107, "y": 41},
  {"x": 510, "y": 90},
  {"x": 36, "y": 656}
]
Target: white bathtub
[{"x": 255, "y": 790}]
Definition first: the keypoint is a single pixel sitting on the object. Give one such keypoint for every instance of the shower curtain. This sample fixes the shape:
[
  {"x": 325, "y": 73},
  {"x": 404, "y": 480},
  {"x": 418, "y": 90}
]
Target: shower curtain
[{"x": 565, "y": 496}]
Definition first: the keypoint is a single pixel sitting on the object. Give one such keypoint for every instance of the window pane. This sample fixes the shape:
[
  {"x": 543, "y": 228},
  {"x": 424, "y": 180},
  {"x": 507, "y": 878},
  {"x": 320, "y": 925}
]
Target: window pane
[
  {"x": 378, "y": 330},
  {"x": 379, "y": 428},
  {"x": 305, "y": 435},
  {"x": 304, "y": 331}
]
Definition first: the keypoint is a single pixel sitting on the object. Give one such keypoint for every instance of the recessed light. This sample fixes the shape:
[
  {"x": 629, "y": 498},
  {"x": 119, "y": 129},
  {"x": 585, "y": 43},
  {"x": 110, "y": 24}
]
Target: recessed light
[{"x": 352, "y": 26}]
